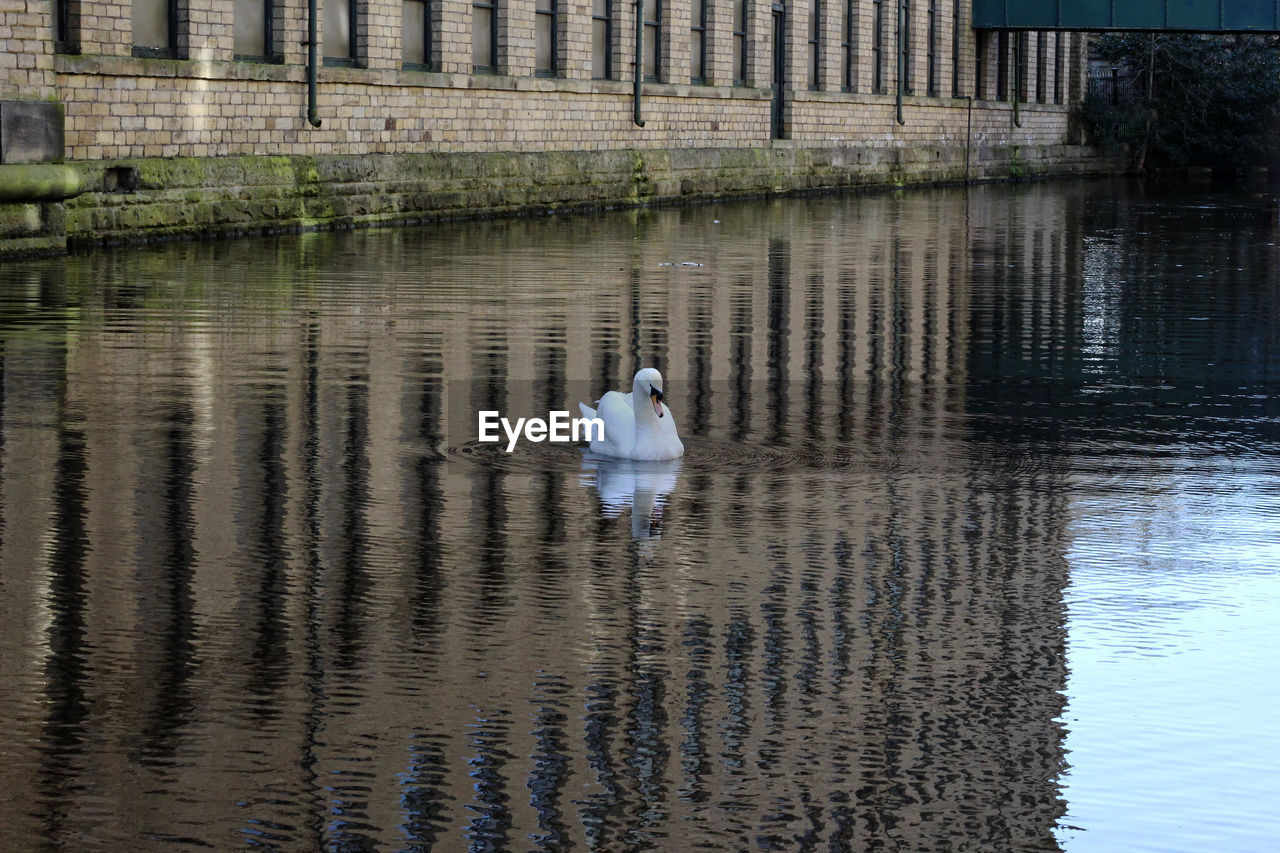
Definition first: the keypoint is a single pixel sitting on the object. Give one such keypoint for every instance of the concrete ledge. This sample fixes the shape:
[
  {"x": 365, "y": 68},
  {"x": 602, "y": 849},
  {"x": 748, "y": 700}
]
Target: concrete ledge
[
  {"x": 38, "y": 182},
  {"x": 196, "y": 198}
]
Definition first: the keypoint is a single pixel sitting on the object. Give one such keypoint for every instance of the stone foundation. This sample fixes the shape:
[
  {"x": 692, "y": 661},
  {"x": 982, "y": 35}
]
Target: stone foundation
[{"x": 155, "y": 198}]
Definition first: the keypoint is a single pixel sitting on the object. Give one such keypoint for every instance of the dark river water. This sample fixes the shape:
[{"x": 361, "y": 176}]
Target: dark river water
[{"x": 975, "y": 546}]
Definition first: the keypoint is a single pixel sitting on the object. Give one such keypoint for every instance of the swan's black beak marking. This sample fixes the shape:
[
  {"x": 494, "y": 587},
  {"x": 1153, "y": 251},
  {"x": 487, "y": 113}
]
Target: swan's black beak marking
[{"x": 655, "y": 394}]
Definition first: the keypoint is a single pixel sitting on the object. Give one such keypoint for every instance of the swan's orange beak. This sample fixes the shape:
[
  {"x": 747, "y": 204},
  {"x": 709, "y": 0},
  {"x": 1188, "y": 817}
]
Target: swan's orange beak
[{"x": 655, "y": 395}]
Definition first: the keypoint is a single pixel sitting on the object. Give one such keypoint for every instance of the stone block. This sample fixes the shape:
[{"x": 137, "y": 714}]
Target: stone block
[{"x": 31, "y": 132}]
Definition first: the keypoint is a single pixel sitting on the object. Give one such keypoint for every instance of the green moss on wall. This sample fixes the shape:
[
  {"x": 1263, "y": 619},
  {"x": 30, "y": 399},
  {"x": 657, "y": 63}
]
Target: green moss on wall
[{"x": 191, "y": 197}]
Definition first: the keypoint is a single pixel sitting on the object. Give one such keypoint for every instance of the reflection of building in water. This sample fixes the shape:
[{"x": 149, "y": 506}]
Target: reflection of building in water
[{"x": 251, "y": 552}]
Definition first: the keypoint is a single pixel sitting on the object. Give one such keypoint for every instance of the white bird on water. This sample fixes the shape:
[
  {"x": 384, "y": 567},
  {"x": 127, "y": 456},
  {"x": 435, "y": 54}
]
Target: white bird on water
[{"x": 636, "y": 425}]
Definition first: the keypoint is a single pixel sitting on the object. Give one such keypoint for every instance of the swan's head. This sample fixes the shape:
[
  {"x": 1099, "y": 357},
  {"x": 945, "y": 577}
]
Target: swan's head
[{"x": 648, "y": 383}]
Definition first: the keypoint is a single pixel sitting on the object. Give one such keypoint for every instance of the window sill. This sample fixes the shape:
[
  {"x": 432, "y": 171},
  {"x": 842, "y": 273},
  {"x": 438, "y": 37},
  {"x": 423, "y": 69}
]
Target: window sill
[{"x": 153, "y": 53}]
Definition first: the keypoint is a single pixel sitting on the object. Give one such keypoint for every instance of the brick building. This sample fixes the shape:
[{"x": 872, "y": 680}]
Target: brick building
[{"x": 738, "y": 96}]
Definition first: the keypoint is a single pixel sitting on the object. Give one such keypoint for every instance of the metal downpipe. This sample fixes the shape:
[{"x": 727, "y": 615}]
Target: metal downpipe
[
  {"x": 313, "y": 115},
  {"x": 639, "y": 64}
]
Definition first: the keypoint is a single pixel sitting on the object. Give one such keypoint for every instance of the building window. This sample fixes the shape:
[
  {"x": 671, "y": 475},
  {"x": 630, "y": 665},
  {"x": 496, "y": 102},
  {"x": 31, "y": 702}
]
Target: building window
[
  {"x": 602, "y": 39},
  {"x": 339, "y": 32},
  {"x": 1059, "y": 66},
  {"x": 254, "y": 30},
  {"x": 877, "y": 47},
  {"x": 931, "y": 51},
  {"x": 980, "y": 64},
  {"x": 956, "y": 29},
  {"x": 904, "y": 45},
  {"x": 1002, "y": 65},
  {"x": 65, "y": 24},
  {"x": 652, "y": 39},
  {"x": 484, "y": 36},
  {"x": 848, "y": 53},
  {"x": 1042, "y": 63},
  {"x": 740, "y": 43},
  {"x": 815, "y": 44},
  {"x": 698, "y": 43},
  {"x": 546, "y": 31},
  {"x": 154, "y": 31},
  {"x": 1022, "y": 56},
  {"x": 417, "y": 35}
]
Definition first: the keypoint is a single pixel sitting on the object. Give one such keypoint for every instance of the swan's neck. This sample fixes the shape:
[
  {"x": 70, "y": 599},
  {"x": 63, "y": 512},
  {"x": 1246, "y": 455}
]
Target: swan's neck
[{"x": 646, "y": 417}]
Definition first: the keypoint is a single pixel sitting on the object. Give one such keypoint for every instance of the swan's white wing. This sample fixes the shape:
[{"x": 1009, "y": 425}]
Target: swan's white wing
[
  {"x": 619, "y": 425},
  {"x": 660, "y": 441},
  {"x": 671, "y": 434},
  {"x": 667, "y": 424}
]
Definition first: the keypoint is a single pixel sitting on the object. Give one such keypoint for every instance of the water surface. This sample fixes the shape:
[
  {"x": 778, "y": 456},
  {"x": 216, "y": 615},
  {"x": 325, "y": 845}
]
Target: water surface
[{"x": 974, "y": 546}]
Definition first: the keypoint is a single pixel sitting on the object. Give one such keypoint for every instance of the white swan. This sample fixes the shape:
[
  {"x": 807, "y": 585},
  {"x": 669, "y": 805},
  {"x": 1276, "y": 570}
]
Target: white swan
[{"x": 636, "y": 425}]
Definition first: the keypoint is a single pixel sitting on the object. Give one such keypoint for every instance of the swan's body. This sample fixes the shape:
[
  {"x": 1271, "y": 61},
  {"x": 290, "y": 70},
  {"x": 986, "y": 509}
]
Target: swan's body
[{"x": 636, "y": 425}]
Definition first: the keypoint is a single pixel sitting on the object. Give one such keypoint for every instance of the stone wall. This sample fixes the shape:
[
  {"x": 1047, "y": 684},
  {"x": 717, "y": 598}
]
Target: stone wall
[
  {"x": 159, "y": 198},
  {"x": 204, "y": 103},
  {"x": 133, "y": 118}
]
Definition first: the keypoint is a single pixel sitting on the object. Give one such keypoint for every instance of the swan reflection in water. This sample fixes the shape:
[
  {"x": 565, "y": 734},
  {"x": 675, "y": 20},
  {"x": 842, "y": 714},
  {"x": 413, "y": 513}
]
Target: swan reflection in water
[{"x": 640, "y": 486}]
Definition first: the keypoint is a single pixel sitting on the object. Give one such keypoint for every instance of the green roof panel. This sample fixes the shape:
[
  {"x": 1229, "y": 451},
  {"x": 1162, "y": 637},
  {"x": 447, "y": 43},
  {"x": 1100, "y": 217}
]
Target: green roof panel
[
  {"x": 1205, "y": 16},
  {"x": 1139, "y": 15},
  {"x": 1250, "y": 15},
  {"x": 1193, "y": 15},
  {"x": 1085, "y": 14},
  {"x": 1033, "y": 15}
]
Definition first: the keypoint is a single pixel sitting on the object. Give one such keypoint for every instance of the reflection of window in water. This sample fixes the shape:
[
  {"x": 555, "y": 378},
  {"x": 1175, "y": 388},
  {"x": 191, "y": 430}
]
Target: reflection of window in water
[{"x": 1100, "y": 312}]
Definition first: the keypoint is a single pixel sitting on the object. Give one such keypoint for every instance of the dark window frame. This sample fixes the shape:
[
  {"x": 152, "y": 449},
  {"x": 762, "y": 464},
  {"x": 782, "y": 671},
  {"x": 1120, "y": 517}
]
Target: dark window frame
[
  {"x": 272, "y": 56},
  {"x": 956, "y": 41},
  {"x": 492, "y": 6},
  {"x": 1042, "y": 60},
  {"x": 554, "y": 14},
  {"x": 815, "y": 45},
  {"x": 931, "y": 52},
  {"x": 428, "y": 39},
  {"x": 1059, "y": 66},
  {"x": 1002, "y": 65},
  {"x": 904, "y": 37},
  {"x": 982, "y": 43},
  {"x": 848, "y": 48},
  {"x": 740, "y": 17},
  {"x": 66, "y": 20},
  {"x": 607, "y": 17},
  {"x": 1022, "y": 58},
  {"x": 171, "y": 50},
  {"x": 877, "y": 47},
  {"x": 353, "y": 49},
  {"x": 656, "y": 26},
  {"x": 698, "y": 30}
]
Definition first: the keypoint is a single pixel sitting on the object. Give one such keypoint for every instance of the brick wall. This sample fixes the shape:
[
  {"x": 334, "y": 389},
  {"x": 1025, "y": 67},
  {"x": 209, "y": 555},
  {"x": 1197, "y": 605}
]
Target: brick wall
[
  {"x": 26, "y": 50},
  {"x": 203, "y": 103}
]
